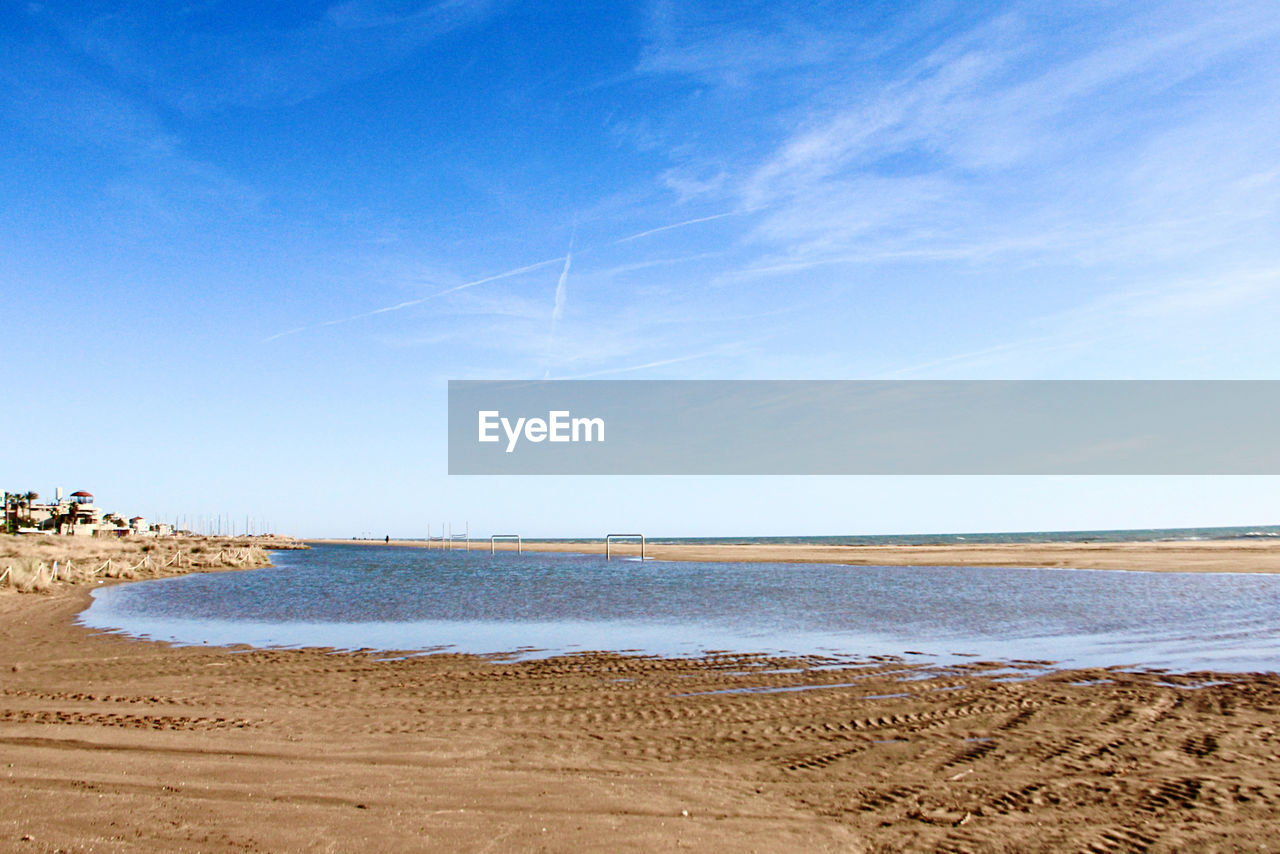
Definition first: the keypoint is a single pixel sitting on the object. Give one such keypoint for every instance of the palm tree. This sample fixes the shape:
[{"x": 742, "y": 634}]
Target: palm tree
[
  {"x": 14, "y": 504},
  {"x": 68, "y": 518},
  {"x": 24, "y": 503}
]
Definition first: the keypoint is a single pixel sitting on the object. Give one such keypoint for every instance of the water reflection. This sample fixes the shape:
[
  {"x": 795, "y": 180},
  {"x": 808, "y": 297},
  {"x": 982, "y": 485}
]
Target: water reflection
[{"x": 412, "y": 599}]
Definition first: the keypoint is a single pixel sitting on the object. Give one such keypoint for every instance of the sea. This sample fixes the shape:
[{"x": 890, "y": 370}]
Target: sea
[
  {"x": 411, "y": 600},
  {"x": 1140, "y": 535}
]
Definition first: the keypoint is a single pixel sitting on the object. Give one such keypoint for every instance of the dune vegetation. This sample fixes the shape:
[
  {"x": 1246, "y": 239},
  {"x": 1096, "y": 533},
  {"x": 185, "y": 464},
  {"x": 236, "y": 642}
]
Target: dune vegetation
[{"x": 43, "y": 563}]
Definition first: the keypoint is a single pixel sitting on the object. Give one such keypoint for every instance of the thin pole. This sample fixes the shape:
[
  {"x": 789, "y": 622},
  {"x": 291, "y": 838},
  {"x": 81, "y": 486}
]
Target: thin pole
[
  {"x": 608, "y": 542},
  {"x": 493, "y": 540}
]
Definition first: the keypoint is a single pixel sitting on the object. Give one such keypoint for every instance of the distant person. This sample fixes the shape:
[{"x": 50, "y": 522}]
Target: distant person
[{"x": 388, "y": 539}]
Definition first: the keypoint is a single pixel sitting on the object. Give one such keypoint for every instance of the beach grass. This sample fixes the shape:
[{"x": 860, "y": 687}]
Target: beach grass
[{"x": 34, "y": 564}]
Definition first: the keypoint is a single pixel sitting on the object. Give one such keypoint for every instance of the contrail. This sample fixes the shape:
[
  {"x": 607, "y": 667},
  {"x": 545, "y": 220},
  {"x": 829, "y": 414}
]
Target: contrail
[
  {"x": 488, "y": 279},
  {"x": 286, "y": 332},
  {"x": 508, "y": 274},
  {"x": 656, "y": 364},
  {"x": 715, "y": 351},
  {"x": 676, "y": 225},
  {"x": 562, "y": 295},
  {"x": 561, "y": 292}
]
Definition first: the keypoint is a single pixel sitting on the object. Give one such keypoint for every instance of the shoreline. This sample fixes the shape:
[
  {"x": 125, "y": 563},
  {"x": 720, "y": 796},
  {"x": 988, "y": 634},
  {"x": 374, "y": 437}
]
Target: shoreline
[
  {"x": 123, "y": 744},
  {"x": 1156, "y": 556}
]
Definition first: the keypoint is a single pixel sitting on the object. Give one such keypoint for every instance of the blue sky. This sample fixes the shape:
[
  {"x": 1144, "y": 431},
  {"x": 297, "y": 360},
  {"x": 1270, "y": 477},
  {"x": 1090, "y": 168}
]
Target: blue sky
[{"x": 246, "y": 245}]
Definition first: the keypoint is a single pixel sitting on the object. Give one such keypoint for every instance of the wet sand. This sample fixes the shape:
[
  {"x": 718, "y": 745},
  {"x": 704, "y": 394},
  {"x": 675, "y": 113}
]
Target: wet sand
[
  {"x": 112, "y": 744},
  {"x": 1181, "y": 556}
]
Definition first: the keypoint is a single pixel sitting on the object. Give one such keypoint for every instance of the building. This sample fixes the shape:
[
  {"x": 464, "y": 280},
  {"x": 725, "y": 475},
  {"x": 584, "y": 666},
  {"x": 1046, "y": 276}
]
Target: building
[{"x": 76, "y": 515}]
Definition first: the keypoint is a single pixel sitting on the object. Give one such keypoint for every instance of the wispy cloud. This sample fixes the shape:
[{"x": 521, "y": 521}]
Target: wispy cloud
[
  {"x": 143, "y": 174},
  {"x": 1183, "y": 317},
  {"x": 211, "y": 69},
  {"x": 992, "y": 145},
  {"x": 689, "y": 39}
]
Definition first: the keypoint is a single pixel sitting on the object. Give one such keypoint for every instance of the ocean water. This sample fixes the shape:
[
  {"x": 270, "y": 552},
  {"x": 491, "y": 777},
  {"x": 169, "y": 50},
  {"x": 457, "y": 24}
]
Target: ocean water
[
  {"x": 413, "y": 599},
  {"x": 1128, "y": 535}
]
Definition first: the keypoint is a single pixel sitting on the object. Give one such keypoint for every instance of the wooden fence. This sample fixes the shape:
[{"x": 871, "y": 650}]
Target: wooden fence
[{"x": 114, "y": 567}]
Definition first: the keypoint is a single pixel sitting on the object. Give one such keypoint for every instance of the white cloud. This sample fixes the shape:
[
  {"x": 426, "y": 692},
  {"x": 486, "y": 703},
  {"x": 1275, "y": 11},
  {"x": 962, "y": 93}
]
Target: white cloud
[
  {"x": 993, "y": 143},
  {"x": 212, "y": 69}
]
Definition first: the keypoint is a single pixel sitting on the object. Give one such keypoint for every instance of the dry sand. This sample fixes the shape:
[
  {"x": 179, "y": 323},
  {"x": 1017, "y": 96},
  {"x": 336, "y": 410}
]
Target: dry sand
[
  {"x": 111, "y": 744},
  {"x": 1202, "y": 556}
]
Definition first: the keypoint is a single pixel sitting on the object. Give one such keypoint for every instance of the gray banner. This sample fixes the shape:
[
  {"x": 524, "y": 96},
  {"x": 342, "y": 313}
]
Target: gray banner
[{"x": 865, "y": 427}]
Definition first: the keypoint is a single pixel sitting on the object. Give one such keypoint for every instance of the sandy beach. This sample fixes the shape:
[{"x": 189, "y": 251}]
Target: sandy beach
[
  {"x": 1173, "y": 556},
  {"x": 113, "y": 744}
]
